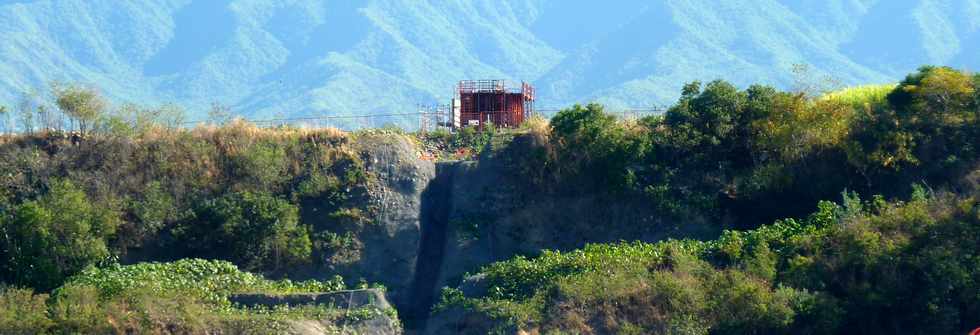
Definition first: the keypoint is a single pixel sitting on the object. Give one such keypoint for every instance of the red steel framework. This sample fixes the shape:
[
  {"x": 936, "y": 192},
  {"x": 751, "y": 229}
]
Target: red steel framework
[{"x": 497, "y": 102}]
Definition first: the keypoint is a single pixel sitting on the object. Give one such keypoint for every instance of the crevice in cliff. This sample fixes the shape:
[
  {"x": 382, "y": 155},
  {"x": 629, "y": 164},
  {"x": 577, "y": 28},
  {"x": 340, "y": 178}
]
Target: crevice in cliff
[{"x": 436, "y": 205}]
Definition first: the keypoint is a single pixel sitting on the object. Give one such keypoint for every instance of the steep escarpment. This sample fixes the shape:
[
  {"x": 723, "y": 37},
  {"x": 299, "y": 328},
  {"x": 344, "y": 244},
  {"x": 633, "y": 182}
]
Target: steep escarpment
[
  {"x": 435, "y": 209},
  {"x": 389, "y": 247},
  {"x": 471, "y": 213}
]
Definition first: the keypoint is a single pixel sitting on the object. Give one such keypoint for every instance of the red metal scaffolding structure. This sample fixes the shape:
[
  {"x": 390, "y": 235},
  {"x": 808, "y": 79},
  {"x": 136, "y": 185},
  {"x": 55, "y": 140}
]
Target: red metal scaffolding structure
[{"x": 481, "y": 102}]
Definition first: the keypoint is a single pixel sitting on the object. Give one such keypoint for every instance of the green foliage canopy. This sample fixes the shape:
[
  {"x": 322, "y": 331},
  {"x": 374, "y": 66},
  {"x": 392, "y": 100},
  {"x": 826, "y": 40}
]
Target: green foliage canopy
[
  {"x": 257, "y": 230},
  {"x": 930, "y": 124}
]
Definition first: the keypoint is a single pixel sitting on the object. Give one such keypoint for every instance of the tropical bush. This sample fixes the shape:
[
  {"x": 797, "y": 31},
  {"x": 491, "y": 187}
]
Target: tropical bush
[
  {"x": 256, "y": 230},
  {"x": 55, "y": 236},
  {"x": 928, "y": 129}
]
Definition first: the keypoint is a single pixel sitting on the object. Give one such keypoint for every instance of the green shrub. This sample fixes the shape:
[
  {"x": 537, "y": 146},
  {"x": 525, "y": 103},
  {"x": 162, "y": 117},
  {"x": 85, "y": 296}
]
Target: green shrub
[
  {"x": 187, "y": 296},
  {"x": 210, "y": 281},
  {"x": 153, "y": 210},
  {"x": 338, "y": 249},
  {"x": 159, "y": 179},
  {"x": 628, "y": 289},
  {"x": 464, "y": 143},
  {"x": 595, "y": 151},
  {"x": 474, "y": 139},
  {"x": 900, "y": 267},
  {"x": 53, "y": 237},
  {"x": 262, "y": 165},
  {"x": 928, "y": 128},
  {"x": 257, "y": 230},
  {"x": 521, "y": 277},
  {"x": 744, "y": 304}
]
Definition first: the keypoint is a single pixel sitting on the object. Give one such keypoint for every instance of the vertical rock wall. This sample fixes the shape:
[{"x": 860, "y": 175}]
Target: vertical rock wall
[{"x": 391, "y": 243}]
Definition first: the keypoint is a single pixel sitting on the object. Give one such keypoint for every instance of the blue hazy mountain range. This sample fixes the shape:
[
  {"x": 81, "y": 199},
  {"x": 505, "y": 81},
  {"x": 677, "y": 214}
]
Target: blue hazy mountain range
[{"x": 296, "y": 58}]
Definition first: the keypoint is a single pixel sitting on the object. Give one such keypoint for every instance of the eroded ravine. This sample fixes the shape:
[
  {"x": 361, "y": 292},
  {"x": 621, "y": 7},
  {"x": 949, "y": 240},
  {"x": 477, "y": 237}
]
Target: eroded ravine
[{"x": 434, "y": 213}]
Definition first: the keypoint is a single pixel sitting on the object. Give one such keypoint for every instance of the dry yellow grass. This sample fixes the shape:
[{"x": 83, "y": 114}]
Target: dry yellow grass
[
  {"x": 537, "y": 125},
  {"x": 243, "y": 128}
]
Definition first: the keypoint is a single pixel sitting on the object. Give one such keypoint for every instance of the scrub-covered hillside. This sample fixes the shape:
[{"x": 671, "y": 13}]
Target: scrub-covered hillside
[{"x": 741, "y": 210}]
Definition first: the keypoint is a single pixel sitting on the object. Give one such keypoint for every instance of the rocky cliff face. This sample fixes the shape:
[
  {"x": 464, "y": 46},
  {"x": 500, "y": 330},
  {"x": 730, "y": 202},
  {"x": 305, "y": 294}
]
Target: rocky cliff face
[
  {"x": 434, "y": 222},
  {"x": 390, "y": 240}
]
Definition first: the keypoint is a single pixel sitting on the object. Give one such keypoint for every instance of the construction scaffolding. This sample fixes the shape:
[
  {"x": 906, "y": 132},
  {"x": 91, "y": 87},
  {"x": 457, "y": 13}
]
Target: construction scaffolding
[
  {"x": 434, "y": 117},
  {"x": 479, "y": 103}
]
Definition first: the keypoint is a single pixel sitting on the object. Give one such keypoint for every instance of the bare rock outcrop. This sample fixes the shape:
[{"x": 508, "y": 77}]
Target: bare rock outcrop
[{"x": 391, "y": 241}]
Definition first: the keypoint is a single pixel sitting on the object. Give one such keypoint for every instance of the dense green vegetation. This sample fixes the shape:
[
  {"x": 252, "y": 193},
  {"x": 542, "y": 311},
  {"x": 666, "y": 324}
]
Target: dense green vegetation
[
  {"x": 236, "y": 193},
  {"x": 747, "y": 157},
  {"x": 866, "y": 267},
  {"x": 56, "y": 236},
  {"x": 219, "y": 224},
  {"x": 187, "y": 296},
  {"x": 73, "y": 206}
]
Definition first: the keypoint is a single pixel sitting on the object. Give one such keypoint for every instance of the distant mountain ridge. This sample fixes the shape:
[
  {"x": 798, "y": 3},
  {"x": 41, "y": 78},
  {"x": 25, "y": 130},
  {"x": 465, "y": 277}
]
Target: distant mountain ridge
[{"x": 268, "y": 58}]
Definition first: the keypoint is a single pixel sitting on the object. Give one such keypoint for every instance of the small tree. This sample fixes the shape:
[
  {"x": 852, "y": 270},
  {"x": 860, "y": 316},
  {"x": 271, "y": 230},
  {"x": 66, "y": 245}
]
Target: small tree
[
  {"x": 976, "y": 93},
  {"x": 44, "y": 118},
  {"x": 706, "y": 125},
  {"x": 131, "y": 119},
  {"x": 81, "y": 104},
  {"x": 593, "y": 146}
]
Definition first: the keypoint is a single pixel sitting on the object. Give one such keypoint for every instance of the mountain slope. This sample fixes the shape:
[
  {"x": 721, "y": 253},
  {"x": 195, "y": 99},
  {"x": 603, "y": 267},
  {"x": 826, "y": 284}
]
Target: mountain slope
[{"x": 270, "y": 58}]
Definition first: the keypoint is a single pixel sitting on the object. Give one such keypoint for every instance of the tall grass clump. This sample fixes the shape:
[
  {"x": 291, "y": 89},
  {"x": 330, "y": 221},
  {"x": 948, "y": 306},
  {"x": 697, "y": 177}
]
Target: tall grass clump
[{"x": 862, "y": 97}]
